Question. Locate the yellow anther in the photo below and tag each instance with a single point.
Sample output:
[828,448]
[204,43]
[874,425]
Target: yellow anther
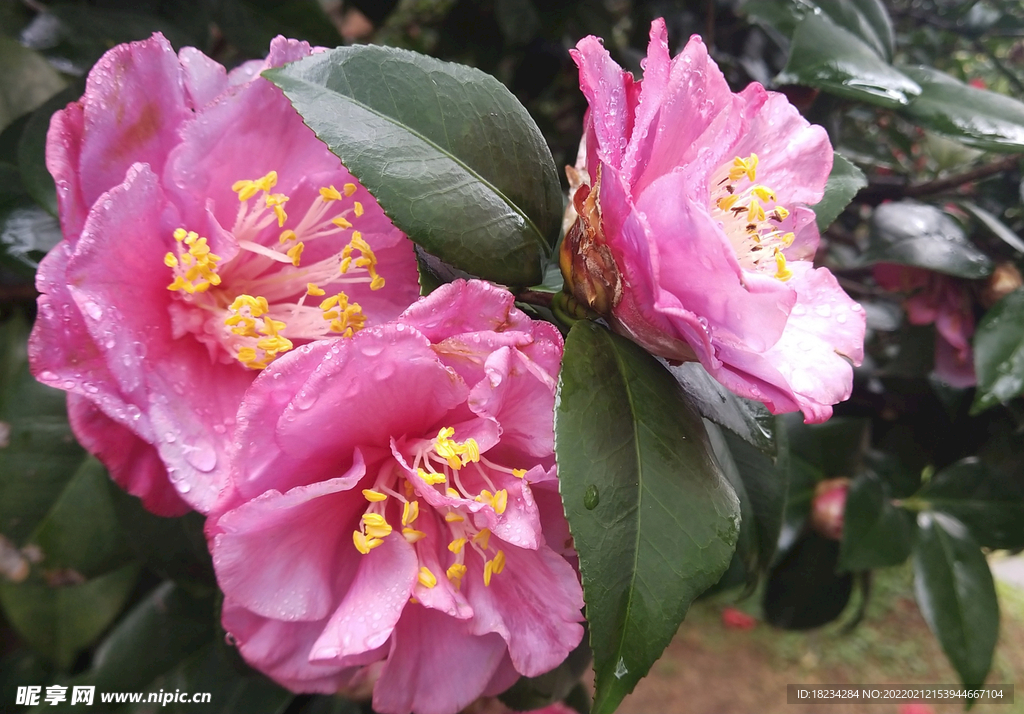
[485,496]
[314,290]
[281,215]
[374,519]
[179,234]
[488,571]
[470,451]
[410,512]
[764,193]
[170,261]
[788,238]
[330,302]
[374,496]
[286,236]
[455,573]
[267,182]
[431,478]
[330,194]
[498,562]
[727,202]
[377,283]
[412,535]
[426,578]
[357,208]
[258,305]
[453,517]
[755,213]
[519,473]
[364,544]
[782,272]
[180,284]
[752,162]
[446,433]
[379,531]
[457,545]
[780,213]
[483,538]
[341,222]
[500,501]
[295,253]
[410,491]
[349,189]
[452,493]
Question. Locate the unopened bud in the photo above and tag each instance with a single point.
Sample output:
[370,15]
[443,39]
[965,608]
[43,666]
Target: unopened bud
[828,507]
[1003,281]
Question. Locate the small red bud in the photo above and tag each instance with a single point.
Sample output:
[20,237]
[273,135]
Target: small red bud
[828,506]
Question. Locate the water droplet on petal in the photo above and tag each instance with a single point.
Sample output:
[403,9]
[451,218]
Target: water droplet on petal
[305,399]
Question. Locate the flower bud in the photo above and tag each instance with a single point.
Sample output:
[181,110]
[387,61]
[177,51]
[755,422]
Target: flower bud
[828,507]
[1003,281]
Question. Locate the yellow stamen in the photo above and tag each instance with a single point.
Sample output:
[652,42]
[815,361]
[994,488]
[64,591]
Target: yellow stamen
[498,562]
[426,578]
[483,538]
[430,478]
[519,473]
[452,493]
[170,261]
[455,573]
[412,535]
[357,207]
[500,501]
[330,194]
[782,272]
[453,517]
[295,253]
[363,544]
[488,570]
[341,222]
[727,202]
[349,189]
[314,290]
[286,236]
[457,545]
[374,496]
[410,512]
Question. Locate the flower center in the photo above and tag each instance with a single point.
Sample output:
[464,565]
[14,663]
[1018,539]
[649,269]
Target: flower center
[751,218]
[253,306]
[441,463]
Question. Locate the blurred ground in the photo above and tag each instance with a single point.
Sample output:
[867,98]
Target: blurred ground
[709,669]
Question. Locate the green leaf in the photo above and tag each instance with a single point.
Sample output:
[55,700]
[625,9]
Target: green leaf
[60,621]
[999,353]
[994,226]
[27,80]
[450,154]
[826,56]
[653,519]
[174,548]
[844,182]
[169,616]
[39,454]
[956,595]
[867,19]
[32,151]
[765,480]
[803,480]
[916,234]
[977,117]
[989,503]
[836,448]
[81,531]
[749,420]
[803,589]
[876,533]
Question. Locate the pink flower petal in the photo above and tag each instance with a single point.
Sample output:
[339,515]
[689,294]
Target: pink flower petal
[436,665]
[375,600]
[607,88]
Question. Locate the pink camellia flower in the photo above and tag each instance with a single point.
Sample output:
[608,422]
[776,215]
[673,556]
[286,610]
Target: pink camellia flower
[828,507]
[206,232]
[694,237]
[944,301]
[396,498]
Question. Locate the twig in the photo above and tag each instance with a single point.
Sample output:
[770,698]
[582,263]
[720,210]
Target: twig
[943,184]
[535,297]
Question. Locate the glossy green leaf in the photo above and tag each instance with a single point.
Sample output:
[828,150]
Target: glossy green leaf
[919,235]
[803,478]
[977,117]
[26,82]
[876,533]
[956,595]
[81,531]
[450,154]
[653,519]
[765,480]
[60,621]
[994,226]
[999,353]
[844,182]
[749,420]
[989,503]
[868,19]
[826,56]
